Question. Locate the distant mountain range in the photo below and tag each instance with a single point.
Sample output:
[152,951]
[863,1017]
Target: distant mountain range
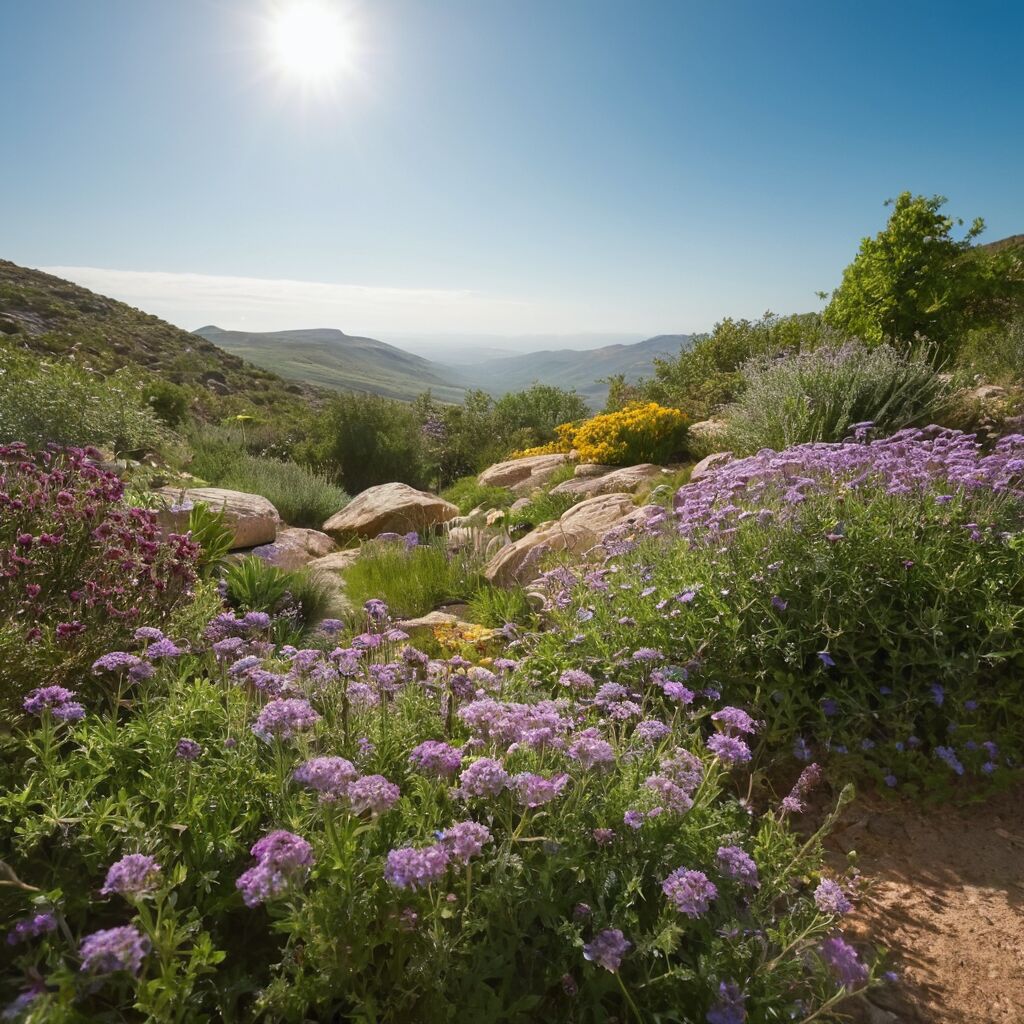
[329,358]
[342,362]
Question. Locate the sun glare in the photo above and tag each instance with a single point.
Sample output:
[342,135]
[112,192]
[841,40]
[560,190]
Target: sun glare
[311,40]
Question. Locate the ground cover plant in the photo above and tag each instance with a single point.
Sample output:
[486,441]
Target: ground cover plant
[867,598]
[404,836]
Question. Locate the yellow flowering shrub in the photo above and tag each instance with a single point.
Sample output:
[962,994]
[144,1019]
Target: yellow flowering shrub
[641,432]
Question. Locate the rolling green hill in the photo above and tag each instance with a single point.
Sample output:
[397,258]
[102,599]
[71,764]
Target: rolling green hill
[342,362]
[50,317]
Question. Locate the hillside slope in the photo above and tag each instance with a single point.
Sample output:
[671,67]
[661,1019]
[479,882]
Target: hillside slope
[573,368]
[49,316]
[342,362]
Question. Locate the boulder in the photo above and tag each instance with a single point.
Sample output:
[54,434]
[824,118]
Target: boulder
[587,470]
[707,435]
[522,475]
[389,508]
[473,538]
[628,479]
[708,465]
[336,561]
[578,530]
[296,547]
[519,504]
[251,518]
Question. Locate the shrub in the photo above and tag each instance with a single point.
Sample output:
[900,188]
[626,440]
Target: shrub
[468,495]
[638,433]
[412,580]
[862,599]
[996,353]
[79,571]
[820,395]
[60,403]
[498,606]
[302,496]
[383,837]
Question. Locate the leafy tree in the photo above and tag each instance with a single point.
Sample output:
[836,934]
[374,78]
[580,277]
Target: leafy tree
[915,281]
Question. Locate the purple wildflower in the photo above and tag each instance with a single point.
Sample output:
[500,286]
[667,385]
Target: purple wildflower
[590,750]
[484,777]
[690,891]
[132,876]
[113,949]
[736,863]
[163,648]
[842,958]
[436,759]
[535,790]
[31,928]
[284,718]
[115,661]
[729,749]
[466,839]
[328,776]
[829,898]
[372,793]
[607,949]
[412,868]
[730,1007]
[948,755]
[576,679]
[733,720]
[187,750]
[283,859]
[56,700]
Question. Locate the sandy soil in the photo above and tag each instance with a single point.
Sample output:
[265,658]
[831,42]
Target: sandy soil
[946,897]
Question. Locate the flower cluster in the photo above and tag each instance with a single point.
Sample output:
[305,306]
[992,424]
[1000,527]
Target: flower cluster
[283,860]
[132,876]
[56,701]
[114,949]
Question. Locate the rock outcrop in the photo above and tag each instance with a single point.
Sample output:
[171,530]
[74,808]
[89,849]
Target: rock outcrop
[389,508]
[523,475]
[295,547]
[709,464]
[628,479]
[578,530]
[252,519]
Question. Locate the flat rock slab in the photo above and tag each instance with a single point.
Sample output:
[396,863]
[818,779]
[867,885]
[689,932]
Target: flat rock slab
[336,561]
[616,481]
[296,547]
[709,465]
[522,475]
[579,530]
[252,519]
[389,508]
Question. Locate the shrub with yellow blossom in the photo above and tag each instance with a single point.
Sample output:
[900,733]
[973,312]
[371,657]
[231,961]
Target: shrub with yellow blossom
[641,432]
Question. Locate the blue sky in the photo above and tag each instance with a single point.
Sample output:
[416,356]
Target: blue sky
[514,167]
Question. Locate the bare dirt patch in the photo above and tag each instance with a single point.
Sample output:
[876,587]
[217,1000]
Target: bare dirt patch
[946,897]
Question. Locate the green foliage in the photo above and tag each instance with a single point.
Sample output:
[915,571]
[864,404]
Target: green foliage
[709,373]
[468,495]
[43,402]
[819,395]
[209,529]
[254,585]
[914,280]
[543,508]
[498,606]
[169,402]
[302,496]
[894,588]
[996,353]
[539,409]
[412,581]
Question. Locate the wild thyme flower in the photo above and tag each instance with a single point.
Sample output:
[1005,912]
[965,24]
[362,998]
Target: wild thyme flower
[436,759]
[283,719]
[328,776]
[484,777]
[590,750]
[283,860]
[737,864]
[734,720]
[948,754]
[132,876]
[187,750]
[690,891]
[829,898]
[729,749]
[31,928]
[536,790]
[730,1007]
[576,679]
[416,868]
[607,949]
[145,634]
[672,795]
[115,661]
[372,793]
[163,648]
[466,840]
[57,700]
[651,731]
[112,950]
[842,958]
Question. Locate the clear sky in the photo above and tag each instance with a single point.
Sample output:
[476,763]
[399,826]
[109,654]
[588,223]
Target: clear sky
[495,166]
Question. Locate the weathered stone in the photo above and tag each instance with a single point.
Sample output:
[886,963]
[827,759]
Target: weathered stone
[296,547]
[628,479]
[578,530]
[521,475]
[251,518]
[587,470]
[496,515]
[389,508]
[336,561]
[707,434]
[709,465]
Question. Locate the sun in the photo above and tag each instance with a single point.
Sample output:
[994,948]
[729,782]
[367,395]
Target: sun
[311,41]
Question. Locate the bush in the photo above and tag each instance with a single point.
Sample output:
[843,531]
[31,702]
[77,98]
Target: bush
[863,600]
[412,580]
[79,571]
[468,495]
[302,496]
[310,859]
[498,606]
[820,395]
[997,353]
[59,403]
[638,433]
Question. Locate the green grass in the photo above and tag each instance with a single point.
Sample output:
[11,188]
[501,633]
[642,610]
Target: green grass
[412,582]
[468,495]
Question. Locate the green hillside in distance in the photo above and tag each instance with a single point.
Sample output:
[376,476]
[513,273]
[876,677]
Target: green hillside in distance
[331,359]
[51,317]
[582,369]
